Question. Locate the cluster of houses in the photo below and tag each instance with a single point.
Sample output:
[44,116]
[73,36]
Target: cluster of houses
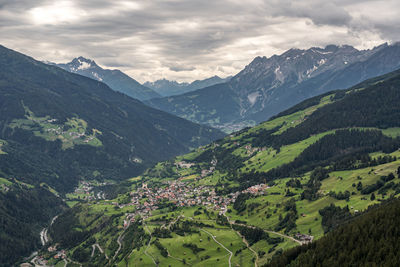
[4,188]
[256,189]
[252,150]
[61,254]
[73,135]
[182,194]
[183,165]
[204,172]
[86,188]
[305,239]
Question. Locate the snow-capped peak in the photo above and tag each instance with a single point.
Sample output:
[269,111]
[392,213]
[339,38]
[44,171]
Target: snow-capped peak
[82,63]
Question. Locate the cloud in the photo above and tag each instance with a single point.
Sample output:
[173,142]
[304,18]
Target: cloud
[188,40]
[177,67]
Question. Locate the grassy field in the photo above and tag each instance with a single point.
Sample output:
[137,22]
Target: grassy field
[265,211]
[269,159]
[392,132]
[290,120]
[2,143]
[72,132]
[5,181]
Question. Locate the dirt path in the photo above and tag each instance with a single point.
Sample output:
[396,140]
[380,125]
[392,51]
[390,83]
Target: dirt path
[216,241]
[169,255]
[248,246]
[44,238]
[66,261]
[270,232]
[285,236]
[148,245]
[244,241]
[120,238]
[99,248]
[93,249]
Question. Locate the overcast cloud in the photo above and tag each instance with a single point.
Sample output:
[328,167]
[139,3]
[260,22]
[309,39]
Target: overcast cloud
[186,40]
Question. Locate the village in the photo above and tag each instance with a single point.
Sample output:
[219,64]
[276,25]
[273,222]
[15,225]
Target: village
[85,191]
[72,135]
[182,194]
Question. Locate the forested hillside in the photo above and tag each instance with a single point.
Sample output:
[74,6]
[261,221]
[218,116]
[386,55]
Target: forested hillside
[59,128]
[252,195]
[371,239]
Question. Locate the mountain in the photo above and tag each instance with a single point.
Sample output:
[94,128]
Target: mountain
[246,198]
[115,79]
[268,86]
[168,88]
[59,128]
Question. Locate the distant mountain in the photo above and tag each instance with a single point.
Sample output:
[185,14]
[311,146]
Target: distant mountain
[267,86]
[168,88]
[59,128]
[115,79]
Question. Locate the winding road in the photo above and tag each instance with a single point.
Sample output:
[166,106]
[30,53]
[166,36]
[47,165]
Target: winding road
[43,234]
[99,248]
[285,236]
[148,245]
[216,241]
[120,238]
[250,248]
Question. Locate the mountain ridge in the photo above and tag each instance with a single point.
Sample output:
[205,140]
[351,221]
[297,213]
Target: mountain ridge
[168,88]
[267,86]
[114,78]
[58,129]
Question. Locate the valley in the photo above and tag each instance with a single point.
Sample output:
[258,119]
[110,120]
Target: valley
[247,198]
[199,133]
[59,129]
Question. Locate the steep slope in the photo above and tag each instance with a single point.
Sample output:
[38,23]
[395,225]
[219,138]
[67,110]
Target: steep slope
[197,106]
[370,239]
[246,198]
[169,88]
[268,86]
[115,79]
[66,116]
[58,128]
[24,210]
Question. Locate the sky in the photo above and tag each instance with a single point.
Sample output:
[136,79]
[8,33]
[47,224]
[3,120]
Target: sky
[186,40]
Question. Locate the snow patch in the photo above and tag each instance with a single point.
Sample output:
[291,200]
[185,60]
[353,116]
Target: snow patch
[311,70]
[97,76]
[315,67]
[278,74]
[253,97]
[83,65]
[321,52]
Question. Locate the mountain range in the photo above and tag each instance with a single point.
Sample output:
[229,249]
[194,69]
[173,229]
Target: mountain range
[104,179]
[168,88]
[268,86]
[58,128]
[115,79]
